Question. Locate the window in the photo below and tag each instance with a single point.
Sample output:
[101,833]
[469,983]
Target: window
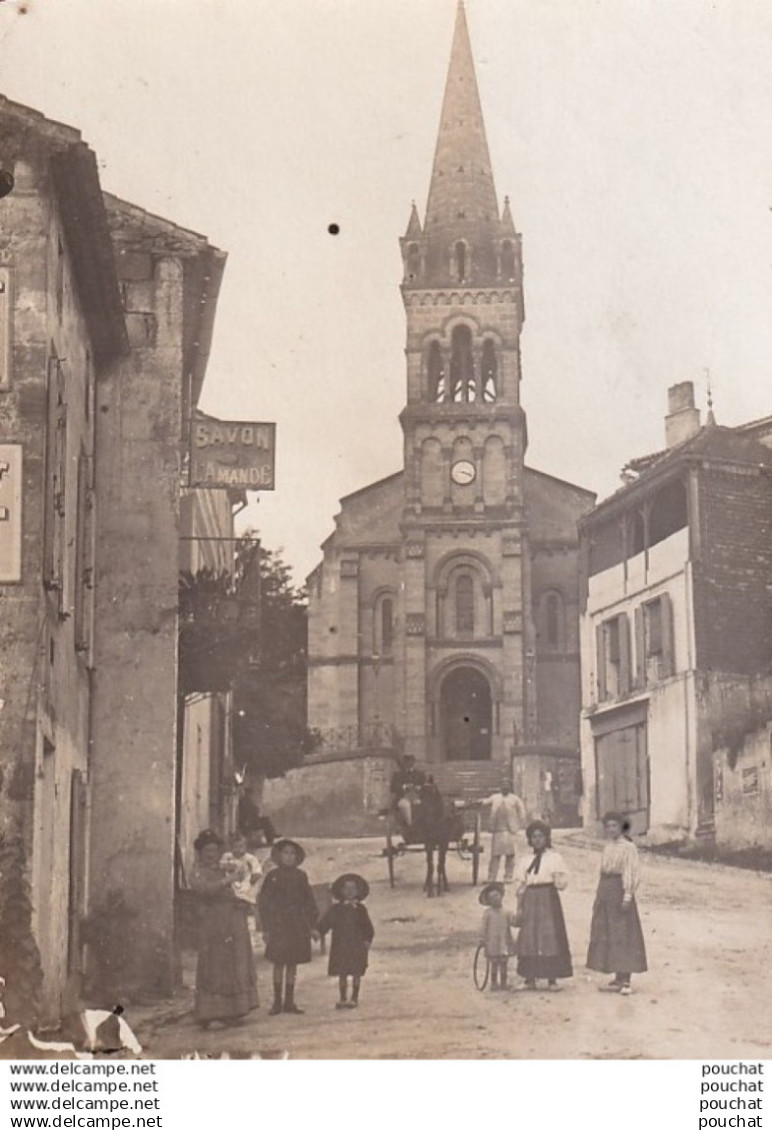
[652,619]
[383,625]
[654,641]
[508,260]
[465,605]
[613,658]
[387,625]
[461,264]
[549,616]
[462,375]
[413,261]
[551,622]
[438,389]
[489,371]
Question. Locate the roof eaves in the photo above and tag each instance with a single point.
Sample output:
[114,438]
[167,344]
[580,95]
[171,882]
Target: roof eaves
[75,179]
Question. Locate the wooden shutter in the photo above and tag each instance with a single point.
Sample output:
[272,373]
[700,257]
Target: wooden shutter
[625,679]
[668,648]
[640,648]
[600,660]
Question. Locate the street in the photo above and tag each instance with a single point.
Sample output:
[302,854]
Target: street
[707,994]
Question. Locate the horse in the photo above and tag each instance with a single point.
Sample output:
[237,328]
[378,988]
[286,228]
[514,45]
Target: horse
[435,826]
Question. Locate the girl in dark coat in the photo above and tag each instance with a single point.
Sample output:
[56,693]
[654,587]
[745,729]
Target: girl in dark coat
[352,935]
[288,917]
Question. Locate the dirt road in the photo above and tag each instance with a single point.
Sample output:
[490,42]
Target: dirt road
[708,994]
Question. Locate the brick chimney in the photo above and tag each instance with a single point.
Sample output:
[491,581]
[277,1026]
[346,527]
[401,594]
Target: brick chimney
[683,419]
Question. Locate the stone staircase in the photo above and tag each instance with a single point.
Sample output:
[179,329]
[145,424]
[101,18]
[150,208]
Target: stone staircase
[468,781]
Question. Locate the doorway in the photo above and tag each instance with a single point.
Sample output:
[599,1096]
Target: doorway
[466,715]
[622,766]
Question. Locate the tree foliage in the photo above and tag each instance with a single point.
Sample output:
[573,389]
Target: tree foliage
[270,733]
[246,631]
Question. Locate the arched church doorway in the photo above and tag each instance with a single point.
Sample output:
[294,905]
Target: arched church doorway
[466,715]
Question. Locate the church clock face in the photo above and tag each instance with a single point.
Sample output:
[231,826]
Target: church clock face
[463,472]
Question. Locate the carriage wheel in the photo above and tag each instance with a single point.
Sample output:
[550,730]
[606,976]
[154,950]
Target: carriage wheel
[476,849]
[481,967]
[391,851]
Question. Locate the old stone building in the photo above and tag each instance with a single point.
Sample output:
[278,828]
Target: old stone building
[444,615]
[106,315]
[677,630]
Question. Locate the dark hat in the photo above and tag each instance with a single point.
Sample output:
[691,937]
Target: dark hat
[539,826]
[205,838]
[276,848]
[363,887]
[486,891]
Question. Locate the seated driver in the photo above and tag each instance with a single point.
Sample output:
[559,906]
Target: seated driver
[404,781]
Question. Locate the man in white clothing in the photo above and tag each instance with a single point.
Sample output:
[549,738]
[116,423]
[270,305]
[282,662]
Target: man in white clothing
[507,817]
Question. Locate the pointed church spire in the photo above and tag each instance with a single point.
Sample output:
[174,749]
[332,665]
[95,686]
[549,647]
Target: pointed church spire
[507,223]
[462,181]
[463,238]
[414,224]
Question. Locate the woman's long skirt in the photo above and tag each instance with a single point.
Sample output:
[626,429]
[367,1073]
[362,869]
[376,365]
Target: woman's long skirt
[616,938]
[542,945]
[226,984]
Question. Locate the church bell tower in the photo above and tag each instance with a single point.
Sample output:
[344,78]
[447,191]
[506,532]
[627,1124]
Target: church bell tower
[463,526]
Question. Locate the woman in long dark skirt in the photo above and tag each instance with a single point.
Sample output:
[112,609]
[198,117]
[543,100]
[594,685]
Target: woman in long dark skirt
[226,984]
[288,916]
[616,938]
[542,944]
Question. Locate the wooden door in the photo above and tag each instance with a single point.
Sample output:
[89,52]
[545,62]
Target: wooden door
[622,766]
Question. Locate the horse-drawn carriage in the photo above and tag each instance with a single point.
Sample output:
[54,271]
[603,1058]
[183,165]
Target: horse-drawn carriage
[430,822]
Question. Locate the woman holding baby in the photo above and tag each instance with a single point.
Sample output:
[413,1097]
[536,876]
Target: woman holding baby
[226,985]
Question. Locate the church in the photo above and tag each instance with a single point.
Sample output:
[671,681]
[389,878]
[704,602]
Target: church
[444,616]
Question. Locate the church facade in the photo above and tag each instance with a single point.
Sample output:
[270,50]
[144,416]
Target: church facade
[444,617]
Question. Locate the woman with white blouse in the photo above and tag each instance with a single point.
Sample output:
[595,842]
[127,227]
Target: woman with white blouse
[542,945]
[616,938]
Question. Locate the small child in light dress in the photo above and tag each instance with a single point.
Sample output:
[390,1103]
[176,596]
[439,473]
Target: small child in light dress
[496,933]
[245,873]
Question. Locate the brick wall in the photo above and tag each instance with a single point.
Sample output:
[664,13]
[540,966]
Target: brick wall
[733,575]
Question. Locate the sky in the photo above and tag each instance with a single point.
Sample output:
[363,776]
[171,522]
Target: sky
[632,137]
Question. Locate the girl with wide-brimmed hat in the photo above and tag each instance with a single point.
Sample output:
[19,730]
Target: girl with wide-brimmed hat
[616,938]
[352,935]
[226,985]
[542,945]
[288,916]
[496,934]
